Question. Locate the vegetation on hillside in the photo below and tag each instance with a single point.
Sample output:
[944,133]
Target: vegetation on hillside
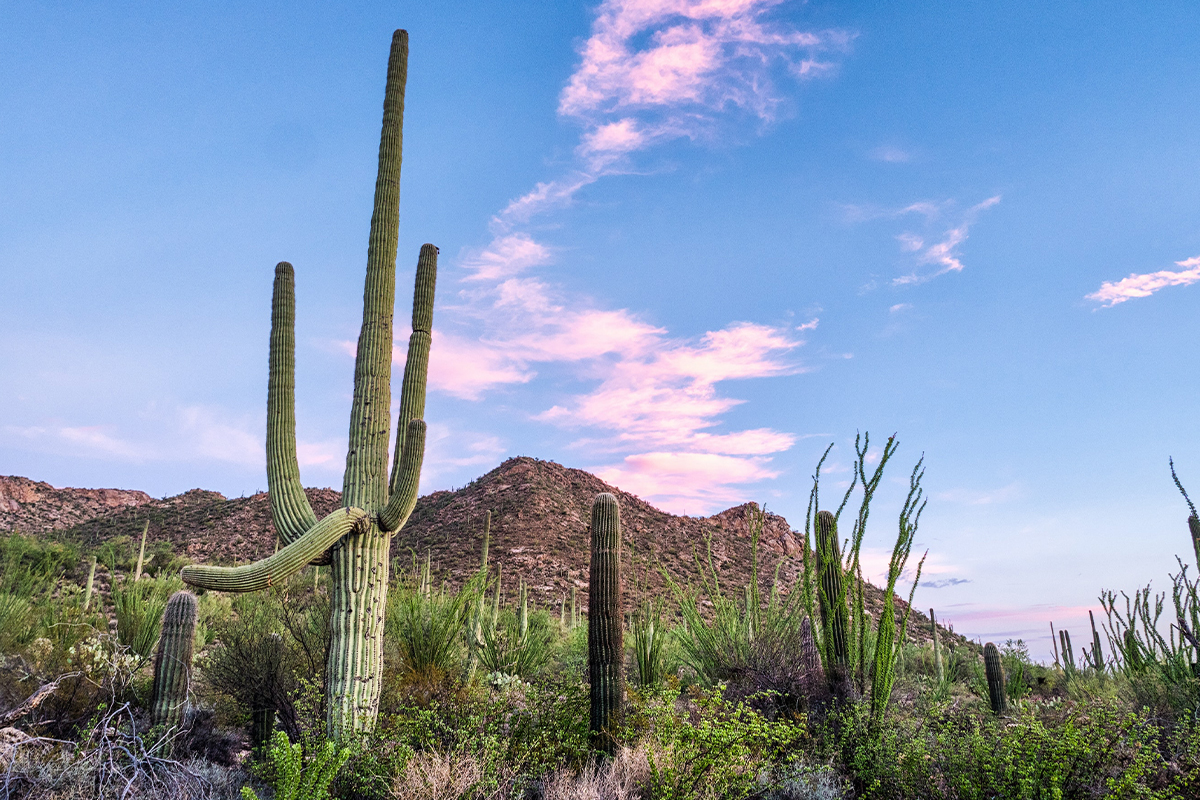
[731,689]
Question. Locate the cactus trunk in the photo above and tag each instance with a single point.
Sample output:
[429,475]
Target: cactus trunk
[995,679]
[937,650]
[1097,653]
[1064,637]
[355,540]
[173,661]
[835,621]
[606,648]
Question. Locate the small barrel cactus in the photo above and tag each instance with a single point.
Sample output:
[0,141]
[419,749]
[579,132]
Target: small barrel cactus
[606,648]
[173,661]
[995,679]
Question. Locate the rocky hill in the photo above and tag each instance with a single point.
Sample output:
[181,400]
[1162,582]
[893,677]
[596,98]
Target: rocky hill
[539,531]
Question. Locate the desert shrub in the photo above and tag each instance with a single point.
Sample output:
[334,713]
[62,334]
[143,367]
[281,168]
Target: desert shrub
[270,654]
[509,737]
[517,644]
[707,746]
[1053,750]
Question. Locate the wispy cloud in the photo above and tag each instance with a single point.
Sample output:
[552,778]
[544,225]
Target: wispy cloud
[189,433]
[890,155]
[1112,293]
[941,256]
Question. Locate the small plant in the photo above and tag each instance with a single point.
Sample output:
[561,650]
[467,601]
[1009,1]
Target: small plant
[139,608]
[292,776]
[649,644]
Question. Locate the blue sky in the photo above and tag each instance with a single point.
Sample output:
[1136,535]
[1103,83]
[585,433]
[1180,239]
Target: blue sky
[685,245]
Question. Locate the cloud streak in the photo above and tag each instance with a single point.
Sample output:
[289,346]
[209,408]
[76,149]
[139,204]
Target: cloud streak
[942,256]
[1112,293]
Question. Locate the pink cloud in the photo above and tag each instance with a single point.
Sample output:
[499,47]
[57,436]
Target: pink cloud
[506,255]
[1110,294]
[698,55]
[686,483]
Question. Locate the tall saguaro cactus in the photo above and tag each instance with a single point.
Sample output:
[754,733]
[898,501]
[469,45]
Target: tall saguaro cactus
[173,661]
[606,647]
[356,539]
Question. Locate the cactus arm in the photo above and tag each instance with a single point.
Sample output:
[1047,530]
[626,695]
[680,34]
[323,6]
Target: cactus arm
[290,509]
[365,482]
[404,496]
[279,567]
[416,366]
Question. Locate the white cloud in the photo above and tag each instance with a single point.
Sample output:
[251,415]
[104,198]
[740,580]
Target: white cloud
[1110,293]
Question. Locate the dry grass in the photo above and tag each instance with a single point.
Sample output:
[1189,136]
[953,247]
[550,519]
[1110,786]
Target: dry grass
[623,778]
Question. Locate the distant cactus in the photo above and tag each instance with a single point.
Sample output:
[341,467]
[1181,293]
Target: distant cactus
[137,573]
[91,582]
[835,615]
[1097,653]
[606,649]
[173,661]
[1064,637]
[937,650]
[995,679]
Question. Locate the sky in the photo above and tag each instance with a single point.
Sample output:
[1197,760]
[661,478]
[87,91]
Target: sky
[685,245]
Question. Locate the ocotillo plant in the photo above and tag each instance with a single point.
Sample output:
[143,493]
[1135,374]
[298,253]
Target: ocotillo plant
[995,679]
[355,539]
[606,648]
[889,641]
[1097,653]
[1193,518]
[173,661]
[937,650]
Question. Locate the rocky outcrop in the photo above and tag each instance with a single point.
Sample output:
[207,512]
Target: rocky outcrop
[36,507]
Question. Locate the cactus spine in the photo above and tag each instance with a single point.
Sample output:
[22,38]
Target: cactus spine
[91,582]
[937,650]
[173,661]
[1097,653]
[606,648]
[995,679]
[835,615]
[356,539]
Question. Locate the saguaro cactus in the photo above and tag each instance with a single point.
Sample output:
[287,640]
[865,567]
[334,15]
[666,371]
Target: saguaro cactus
[1097,653]
[1064,637]
[356,539]
[937,649]
[606,647]
[995,679]
[173,661]
[835,616]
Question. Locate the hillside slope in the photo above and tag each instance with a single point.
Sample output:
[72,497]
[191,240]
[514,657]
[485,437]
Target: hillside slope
[539,535]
